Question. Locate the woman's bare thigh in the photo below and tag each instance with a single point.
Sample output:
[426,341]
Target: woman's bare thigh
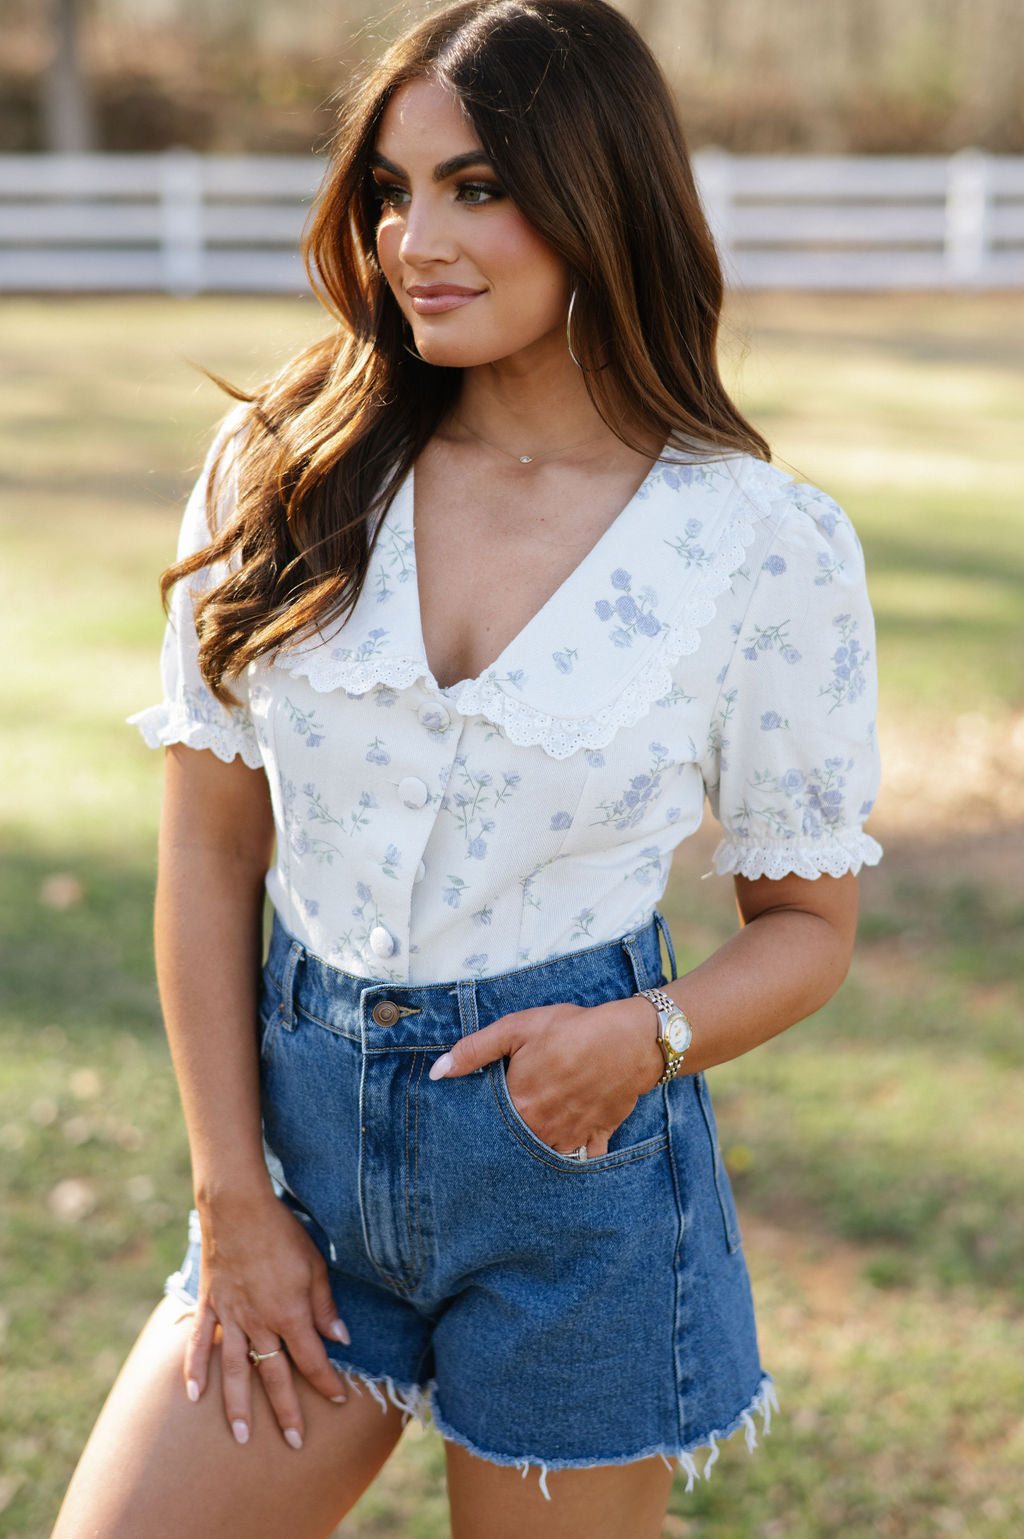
[490,1501]
[160,1466]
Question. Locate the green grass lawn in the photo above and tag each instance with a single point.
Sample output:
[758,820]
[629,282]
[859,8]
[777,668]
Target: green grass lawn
[875,1150]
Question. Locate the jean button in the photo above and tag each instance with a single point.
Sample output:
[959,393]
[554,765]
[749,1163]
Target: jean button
[384,1013]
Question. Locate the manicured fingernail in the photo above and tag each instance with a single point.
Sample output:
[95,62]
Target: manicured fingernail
[339,1330]
[241,1431]
[292,1438]
[338,1399]
[192,1390]
[440,1068]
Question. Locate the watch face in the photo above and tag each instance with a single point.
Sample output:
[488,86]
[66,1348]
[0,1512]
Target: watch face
[677,1034]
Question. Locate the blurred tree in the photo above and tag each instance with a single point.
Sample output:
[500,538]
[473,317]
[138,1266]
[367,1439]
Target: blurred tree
[68,122]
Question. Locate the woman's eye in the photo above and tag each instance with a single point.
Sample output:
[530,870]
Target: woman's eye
[479,192]
[389,194]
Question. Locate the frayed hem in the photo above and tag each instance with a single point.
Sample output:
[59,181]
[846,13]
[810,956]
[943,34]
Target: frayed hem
[412,1400]
[762,1403]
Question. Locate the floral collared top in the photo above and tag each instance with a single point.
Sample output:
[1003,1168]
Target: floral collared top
[716,642]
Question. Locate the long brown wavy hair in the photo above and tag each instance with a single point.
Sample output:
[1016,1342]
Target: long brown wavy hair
[579,124]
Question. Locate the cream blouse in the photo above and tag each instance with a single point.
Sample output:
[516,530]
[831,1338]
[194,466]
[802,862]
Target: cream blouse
[716,641]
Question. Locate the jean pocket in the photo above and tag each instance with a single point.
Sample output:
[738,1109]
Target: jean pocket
[643,1133]
[733,1238]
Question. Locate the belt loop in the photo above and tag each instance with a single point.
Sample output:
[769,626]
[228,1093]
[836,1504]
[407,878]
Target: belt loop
[662,924]
[295,955]
[636,961]
[469,1021]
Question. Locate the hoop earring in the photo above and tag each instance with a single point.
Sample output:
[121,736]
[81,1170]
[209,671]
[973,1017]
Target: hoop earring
[568,331]
[407,331]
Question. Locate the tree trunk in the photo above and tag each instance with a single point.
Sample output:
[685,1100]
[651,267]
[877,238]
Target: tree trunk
[67,111]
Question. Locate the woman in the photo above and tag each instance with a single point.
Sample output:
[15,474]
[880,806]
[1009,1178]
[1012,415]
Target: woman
[475,602]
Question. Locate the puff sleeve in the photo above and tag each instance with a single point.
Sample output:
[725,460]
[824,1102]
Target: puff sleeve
[792,767]
[189,713]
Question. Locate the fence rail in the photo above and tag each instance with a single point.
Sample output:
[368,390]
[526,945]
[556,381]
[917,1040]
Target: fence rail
[185,223]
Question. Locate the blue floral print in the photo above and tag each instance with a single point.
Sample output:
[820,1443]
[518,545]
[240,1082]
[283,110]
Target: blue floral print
[771,638]
[643,790]
[372,646]
[583,924]
[849,660]
[350,823]
[829,568]
[305,723]
[472,799]
[634,612]
[818,798]
[453,890]
[391,862]
[716,639]
[686,545]
[398,561]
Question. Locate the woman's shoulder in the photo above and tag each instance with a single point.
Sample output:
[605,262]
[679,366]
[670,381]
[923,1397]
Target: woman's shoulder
[784,504]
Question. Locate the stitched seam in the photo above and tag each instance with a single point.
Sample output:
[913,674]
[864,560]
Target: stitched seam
[416,1268]
[603,1162]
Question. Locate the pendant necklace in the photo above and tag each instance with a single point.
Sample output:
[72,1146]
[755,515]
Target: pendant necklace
[523,459]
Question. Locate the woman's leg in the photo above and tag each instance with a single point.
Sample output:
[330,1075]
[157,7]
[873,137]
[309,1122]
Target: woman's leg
[159,1466]
[621,1501]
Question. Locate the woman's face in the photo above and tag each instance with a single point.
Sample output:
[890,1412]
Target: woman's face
[473,278]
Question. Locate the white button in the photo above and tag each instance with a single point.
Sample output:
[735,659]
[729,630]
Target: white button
[435,717]
[413,792]
[421,872]
[382,944]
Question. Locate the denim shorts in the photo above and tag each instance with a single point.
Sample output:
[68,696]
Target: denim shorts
[541,1311]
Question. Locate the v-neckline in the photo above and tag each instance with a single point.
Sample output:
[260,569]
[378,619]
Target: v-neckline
[408,494]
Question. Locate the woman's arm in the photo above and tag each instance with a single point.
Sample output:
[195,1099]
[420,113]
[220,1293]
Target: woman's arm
[263,1280]
[575,1073]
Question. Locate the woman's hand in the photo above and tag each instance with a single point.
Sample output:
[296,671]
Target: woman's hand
[575,1073]
[264,1284]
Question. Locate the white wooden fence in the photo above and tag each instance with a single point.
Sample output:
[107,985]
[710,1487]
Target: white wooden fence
[185,223]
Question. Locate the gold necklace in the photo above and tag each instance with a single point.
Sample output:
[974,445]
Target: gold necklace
[523,459]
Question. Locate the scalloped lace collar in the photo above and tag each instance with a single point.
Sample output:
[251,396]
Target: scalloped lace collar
[599,653]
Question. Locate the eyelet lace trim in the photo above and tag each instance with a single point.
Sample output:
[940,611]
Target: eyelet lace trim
[560,736]
[527,726]
[328,668]
[168,723]
[846,851]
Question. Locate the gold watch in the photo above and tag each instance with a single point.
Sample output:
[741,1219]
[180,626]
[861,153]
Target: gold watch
[674,1031]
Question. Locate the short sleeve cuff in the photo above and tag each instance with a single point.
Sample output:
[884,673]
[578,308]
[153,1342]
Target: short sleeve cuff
[844,851]
[173,722]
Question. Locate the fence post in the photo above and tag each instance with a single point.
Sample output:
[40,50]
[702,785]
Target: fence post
[968,200]
[714,172]
[181,222]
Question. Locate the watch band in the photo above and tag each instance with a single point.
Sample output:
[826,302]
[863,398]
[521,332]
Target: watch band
[668,1013]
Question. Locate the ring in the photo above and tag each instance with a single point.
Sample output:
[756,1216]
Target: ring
[579,1154]
[260,1357]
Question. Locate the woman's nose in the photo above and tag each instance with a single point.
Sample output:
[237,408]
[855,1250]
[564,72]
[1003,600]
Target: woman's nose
[426,236]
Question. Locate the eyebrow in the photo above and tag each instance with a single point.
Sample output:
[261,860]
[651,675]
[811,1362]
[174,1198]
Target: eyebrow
[441,172]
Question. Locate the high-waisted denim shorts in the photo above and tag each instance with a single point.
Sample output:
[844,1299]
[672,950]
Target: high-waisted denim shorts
[541,1310]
